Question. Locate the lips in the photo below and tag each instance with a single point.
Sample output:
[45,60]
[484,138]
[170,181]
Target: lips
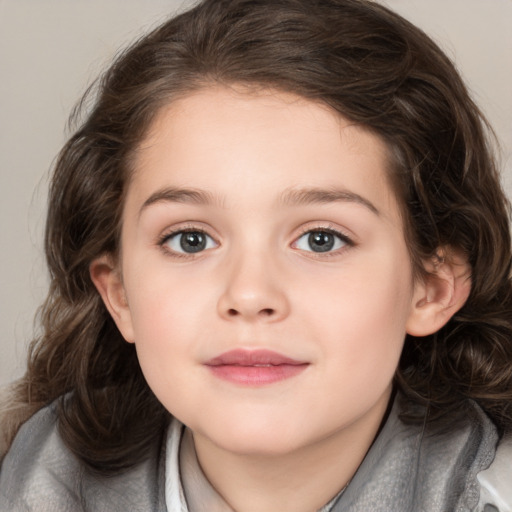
[254,367]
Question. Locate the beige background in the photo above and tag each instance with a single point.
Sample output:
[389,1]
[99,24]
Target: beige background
[51,49]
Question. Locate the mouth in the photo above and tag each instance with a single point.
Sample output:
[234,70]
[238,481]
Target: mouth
[254,367]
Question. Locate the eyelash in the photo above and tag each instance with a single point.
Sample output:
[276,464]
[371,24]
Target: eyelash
[164,239]
[326,229]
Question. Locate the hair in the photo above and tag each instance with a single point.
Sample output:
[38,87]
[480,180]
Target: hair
[366,63]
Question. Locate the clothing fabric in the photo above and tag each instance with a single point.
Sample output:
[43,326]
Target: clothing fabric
[409,468]
[199,493]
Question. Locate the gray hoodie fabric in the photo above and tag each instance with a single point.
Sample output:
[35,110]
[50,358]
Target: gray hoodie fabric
[409,468]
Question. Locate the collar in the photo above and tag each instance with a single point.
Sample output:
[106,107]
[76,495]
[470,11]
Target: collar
[186,487]
[432,466]
[409,467]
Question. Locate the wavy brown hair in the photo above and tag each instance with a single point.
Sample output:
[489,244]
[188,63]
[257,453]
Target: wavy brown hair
[372,67]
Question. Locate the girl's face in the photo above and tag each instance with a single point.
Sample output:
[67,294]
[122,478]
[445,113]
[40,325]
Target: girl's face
[265,279]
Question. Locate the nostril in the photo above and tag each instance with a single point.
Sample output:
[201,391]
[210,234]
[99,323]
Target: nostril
[264,312]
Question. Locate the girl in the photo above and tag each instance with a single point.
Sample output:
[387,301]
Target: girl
[280,260]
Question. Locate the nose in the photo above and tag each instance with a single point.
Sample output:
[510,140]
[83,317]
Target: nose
[254,291]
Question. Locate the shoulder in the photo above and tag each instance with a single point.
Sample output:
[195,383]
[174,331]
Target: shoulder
[40,473]
[39,465]
[482,457]
[481,464]
[496,481]
[414,466]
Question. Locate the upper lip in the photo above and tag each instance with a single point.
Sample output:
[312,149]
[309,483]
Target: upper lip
[243,357]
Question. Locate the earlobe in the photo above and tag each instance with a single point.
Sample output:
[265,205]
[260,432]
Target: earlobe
[107,279]
[440,294]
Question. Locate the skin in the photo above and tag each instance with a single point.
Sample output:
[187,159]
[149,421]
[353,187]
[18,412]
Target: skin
[259,284]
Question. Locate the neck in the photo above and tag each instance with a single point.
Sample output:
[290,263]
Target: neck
[304,479]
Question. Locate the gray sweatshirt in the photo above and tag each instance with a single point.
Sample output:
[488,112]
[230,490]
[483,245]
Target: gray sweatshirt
[409,468]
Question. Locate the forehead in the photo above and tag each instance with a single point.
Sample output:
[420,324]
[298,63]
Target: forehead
[240,142]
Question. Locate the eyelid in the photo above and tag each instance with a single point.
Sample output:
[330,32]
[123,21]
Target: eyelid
[329,228]
[186,228]
[305,229]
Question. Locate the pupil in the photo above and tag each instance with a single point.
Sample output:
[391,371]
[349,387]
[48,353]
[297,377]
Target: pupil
[321,241]
[193,242]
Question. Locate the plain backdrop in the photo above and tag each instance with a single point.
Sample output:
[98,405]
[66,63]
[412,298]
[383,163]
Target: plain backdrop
[50,50]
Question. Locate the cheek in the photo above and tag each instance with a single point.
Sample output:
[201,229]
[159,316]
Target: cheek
[162,298]
[364,291]
[360,313]
[165,341]
[169,311]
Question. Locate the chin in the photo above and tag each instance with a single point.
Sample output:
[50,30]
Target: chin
[268,446]
[257,438]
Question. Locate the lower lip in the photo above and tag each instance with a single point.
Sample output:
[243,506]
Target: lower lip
[256,375]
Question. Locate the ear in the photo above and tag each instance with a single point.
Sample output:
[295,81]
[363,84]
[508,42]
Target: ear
[440,294]
[106,277]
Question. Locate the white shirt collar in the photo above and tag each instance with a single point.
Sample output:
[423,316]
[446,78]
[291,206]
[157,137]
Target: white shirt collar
[174,494]
[186,487]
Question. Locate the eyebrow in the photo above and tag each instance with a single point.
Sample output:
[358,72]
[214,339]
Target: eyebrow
[304,196]
[180,195]
[291,197]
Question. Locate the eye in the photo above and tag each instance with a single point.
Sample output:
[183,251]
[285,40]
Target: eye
[189,242]
[321,240]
